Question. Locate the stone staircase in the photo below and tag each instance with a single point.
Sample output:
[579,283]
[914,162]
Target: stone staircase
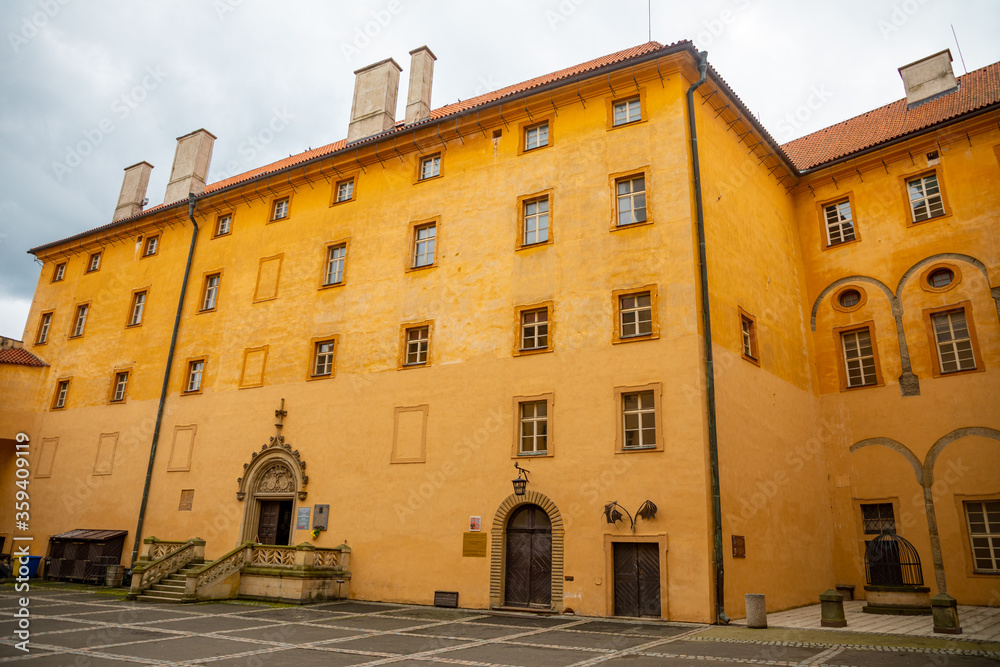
[170,589]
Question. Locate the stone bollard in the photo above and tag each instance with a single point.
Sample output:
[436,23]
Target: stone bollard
[832,609]
[756,610]
[945,610]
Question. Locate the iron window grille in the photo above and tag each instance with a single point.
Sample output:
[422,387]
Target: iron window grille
[878,518]
[859,358]
[954,343]
[839,223]
[639,420]
[925,198]
[534,427]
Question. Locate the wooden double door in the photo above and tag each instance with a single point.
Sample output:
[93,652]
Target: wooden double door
[637,579]
[275,524]
[528,573]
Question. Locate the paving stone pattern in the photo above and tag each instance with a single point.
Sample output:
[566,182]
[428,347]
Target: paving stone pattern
[79,629]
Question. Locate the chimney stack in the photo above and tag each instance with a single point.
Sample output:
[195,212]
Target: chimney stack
[928,78]
[191,161]
[374,108]
[418,95]
[133,191]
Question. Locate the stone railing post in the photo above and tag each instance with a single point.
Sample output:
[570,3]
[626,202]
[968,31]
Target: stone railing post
[345,558]
[147,547]
[305,555]
[199,549]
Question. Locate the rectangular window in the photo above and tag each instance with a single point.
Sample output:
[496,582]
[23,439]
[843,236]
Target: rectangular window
[748,335]
[345,190]
[211,291]
[138,306]
[59,273]
[535,329]
[80,321]
[43,329]
[627,111]
[223,225]
[859,358]
[424,238]
[537,136]
[120,388]
[954,343]
[638,420]
[430,167]
[631,194]
[280,209]
[152,245]
[878,518]
[94,263]
[925,197]
[536,221]
[984,532]
[635,314]
[323,358]
[534,420]
[417,345]
[195,370]
[839,223]
[62,390]
[336,258]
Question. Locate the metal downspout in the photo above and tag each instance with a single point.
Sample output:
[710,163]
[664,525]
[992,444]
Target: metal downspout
[166,382]
[713,436]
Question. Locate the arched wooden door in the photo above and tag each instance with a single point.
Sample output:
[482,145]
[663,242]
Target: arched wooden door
[528,574]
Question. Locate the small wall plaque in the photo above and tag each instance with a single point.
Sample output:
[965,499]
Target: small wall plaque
[739,546]
[187,500]
[321,516]
[302,521]
[475,523]
[474,545]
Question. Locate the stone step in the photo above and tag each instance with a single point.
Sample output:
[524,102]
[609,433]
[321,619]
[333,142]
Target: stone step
[168,587]
[147,597]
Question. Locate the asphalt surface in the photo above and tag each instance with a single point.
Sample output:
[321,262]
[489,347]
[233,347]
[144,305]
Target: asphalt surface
[78,627]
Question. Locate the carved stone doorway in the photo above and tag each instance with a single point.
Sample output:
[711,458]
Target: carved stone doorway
[275,523]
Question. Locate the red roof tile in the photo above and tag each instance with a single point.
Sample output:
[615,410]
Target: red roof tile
[18,356]
[976,90]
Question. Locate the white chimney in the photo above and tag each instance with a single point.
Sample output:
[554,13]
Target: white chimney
[133,192]
[928,78]
[191,162]
[418,95]
[375,90]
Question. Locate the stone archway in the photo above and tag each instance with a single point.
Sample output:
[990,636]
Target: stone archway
[498,545]
[273,481]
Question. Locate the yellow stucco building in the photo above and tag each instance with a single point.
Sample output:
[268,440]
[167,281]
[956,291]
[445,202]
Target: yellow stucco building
[388,324]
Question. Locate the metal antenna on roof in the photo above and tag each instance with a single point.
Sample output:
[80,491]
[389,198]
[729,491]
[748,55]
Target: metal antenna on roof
[960,56]
[649,21]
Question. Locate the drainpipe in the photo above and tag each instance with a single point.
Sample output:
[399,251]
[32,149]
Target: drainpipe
[166,382]
[706,317]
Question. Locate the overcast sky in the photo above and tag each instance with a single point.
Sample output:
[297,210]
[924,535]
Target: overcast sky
[89,87]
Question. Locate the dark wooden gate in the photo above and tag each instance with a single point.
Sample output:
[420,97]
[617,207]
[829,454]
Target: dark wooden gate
[637,579]
[275,522]
[528,579]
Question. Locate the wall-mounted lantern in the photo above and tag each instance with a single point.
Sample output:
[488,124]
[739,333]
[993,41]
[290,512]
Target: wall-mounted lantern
[521,483]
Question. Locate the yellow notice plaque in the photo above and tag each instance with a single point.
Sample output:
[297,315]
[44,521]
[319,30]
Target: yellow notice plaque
[474,545]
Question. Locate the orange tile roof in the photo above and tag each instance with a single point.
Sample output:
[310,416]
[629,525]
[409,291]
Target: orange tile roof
[18,356]
[977,90]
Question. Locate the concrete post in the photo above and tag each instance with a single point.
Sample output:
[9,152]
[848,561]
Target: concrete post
[756,610]
[832,609]
[945,610]
[345,558]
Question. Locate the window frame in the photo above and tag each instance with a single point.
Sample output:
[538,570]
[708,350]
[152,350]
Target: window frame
[273,210]
[821,207]
[76,318]
[905,181]
[90,262]
[404,330]
[218,221]
[204,291]
[613,100]
[415,228]
[613,181]
[617,295]
[519,312]
[57,275]
[660,434]
[533,124]
[835,299]
[842,362]
[747,319]
[314,344]
[335,193]
[44,326]
[961,501]
[423,159]
[189,369]
[150,246]
[130,316]
[327,249]
[928,315]
[925,276]
[522,204]
[517,401]
[55,405]
[115,381]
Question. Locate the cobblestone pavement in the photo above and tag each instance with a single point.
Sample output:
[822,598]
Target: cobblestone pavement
[77,627]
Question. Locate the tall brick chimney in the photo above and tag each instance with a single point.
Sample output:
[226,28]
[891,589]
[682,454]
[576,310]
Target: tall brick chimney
[418,95]
[133,191]
[191,162]
[374,108]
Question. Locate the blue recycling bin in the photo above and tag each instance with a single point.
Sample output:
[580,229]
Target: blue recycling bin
[33,562]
